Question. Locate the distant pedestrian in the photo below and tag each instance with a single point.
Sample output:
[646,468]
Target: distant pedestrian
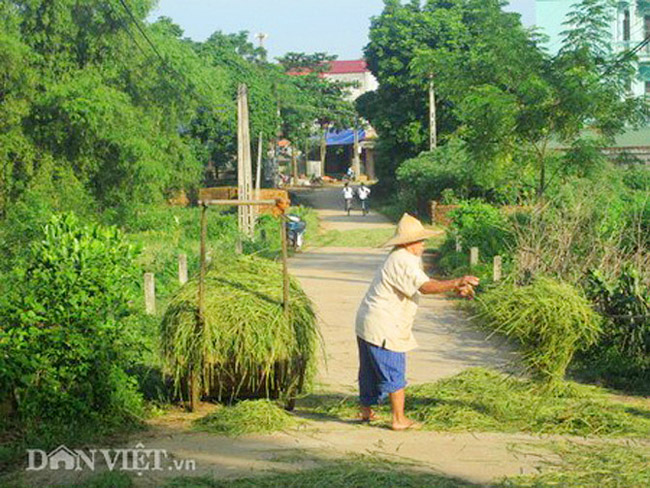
[385,319]
[350,174]
[363,192]
[348,195]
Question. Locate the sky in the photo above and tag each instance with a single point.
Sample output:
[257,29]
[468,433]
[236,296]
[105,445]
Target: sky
[337,26]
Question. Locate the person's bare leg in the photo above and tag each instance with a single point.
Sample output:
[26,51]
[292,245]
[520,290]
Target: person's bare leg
[367,413]
[400,422]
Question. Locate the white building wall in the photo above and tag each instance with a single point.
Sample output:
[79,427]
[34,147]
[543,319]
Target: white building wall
[365,82]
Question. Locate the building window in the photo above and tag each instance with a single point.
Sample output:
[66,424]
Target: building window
[626,25]
[646,24]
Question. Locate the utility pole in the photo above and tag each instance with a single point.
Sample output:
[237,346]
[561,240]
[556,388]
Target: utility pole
[433,139]
[258,180]
[246,214]
[356,163]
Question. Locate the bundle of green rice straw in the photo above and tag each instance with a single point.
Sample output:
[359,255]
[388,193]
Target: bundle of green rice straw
[248,347]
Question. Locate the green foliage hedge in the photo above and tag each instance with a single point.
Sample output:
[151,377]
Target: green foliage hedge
[64,338]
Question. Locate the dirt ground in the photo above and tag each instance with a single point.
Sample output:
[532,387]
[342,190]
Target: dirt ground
[336,279]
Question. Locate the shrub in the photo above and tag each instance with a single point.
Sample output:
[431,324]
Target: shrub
[63,337]
[550,319]
[481,225]
[622,355]
[432,175]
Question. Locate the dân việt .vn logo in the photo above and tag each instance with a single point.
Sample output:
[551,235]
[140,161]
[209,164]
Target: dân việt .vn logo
[137,460]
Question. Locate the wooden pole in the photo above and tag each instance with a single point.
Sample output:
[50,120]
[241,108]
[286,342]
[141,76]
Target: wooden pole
[497,268]
[323,151]
[285,267]
[294,164]
[182,268]
[473,256]
[149,294]
[244,172]
[258,181]
[194,379]
[433,137]
[356,162]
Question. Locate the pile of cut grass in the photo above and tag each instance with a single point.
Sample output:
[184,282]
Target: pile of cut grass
[591,466]
[550,319]
[361,472]
[481,400]
[247,417]
[248,347]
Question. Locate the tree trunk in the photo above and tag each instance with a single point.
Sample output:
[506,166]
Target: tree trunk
[323,152]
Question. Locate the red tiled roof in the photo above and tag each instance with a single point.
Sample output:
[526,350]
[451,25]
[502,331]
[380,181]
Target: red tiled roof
[342,67]
[337,68]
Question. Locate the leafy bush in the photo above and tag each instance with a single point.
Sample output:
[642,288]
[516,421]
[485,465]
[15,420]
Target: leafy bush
[625,303]
[622,355]
[550,319]
[432,175]
[481,225]
[63,338]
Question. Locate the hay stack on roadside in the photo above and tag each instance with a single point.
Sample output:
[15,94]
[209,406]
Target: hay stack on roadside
[248,347]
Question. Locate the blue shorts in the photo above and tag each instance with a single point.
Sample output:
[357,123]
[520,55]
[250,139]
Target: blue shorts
[380,372]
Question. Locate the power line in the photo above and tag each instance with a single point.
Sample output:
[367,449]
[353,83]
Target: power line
[182,79]
[142,31]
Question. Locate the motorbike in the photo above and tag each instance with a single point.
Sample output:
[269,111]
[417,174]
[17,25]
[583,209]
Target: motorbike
[295,231]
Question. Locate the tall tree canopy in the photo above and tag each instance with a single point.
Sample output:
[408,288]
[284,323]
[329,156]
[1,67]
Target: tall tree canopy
[92,96]
[498,91]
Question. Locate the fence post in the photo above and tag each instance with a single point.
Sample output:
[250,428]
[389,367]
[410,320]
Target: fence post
[239,247]
[149,293]
[182,268]
[432,208]
[496,269]
[459,245]
[473,256]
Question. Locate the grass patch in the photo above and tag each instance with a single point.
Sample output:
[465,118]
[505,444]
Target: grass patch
[483,400]
[352,238]
[591,466]
[363,472]
[247,417]
[361,238]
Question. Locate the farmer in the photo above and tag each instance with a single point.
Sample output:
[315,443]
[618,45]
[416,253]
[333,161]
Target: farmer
[385,319]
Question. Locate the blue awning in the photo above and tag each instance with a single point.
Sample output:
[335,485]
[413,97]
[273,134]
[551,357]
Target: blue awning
[343,137]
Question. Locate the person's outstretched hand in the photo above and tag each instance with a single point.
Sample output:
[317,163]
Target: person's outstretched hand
[466,286]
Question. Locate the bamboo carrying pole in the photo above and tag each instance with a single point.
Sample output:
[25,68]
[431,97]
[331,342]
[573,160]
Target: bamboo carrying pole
[193,381]
[285,267]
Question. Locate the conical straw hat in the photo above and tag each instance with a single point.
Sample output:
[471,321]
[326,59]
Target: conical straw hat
[409,229]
